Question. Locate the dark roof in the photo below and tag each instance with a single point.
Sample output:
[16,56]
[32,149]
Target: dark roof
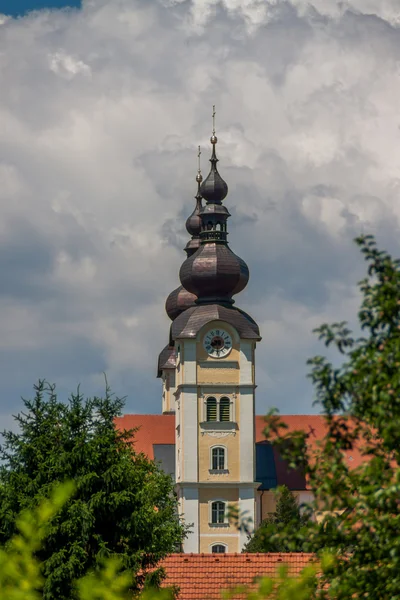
[214,273]
[178,301]
[189,323]
[166,359]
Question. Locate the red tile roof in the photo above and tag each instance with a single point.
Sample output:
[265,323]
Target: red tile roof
[160,429]
[153,429]
[315,427]
[203,576]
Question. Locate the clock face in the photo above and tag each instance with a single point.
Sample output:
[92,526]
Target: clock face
[218,343]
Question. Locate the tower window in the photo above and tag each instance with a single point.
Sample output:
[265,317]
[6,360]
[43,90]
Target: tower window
[218,549]
[219,409]
[224,412]
[211,409]
[218,512]
[218,459]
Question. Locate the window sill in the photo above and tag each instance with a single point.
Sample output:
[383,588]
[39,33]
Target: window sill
[219,425]
[218,471]
[216,525]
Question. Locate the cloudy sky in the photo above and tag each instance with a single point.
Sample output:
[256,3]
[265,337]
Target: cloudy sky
[101,111]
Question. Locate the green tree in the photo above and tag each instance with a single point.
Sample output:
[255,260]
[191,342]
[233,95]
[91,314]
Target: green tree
[360,401]
[123,505]
[21,572]
[287,514]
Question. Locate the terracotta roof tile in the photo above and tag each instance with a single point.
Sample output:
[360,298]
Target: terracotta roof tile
[203,576]
[152,429]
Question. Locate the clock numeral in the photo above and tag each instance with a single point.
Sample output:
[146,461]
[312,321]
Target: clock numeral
[217,331]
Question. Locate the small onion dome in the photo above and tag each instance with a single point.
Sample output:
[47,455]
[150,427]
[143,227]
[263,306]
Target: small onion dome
[193,223]
[213,189]
[214,273]
[192,246]
[178,301]
[166,359]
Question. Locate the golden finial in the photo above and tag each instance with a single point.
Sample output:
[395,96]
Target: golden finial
[213,138]
[199,177]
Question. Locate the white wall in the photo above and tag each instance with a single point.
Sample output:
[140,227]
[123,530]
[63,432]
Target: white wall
[190,506]
[189,361]
[247,510]
[247,448]
[246,362]
[189,432]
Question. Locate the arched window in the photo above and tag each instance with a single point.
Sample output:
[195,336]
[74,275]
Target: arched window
[218,512]
[218,548]
[211,409]
[224,409]
[218,459]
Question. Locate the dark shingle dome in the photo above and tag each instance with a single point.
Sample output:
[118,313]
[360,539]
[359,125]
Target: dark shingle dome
[214,273]
[189,323]
[178,301]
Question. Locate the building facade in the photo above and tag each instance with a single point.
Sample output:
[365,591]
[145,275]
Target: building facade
[208,437]
[208,374]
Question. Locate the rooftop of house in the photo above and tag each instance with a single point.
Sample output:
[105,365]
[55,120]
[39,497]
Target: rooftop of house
[155,437]
[204,576]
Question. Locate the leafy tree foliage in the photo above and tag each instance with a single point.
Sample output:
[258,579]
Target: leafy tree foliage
[123,505]
[21,572]
[360,400]
[287,514]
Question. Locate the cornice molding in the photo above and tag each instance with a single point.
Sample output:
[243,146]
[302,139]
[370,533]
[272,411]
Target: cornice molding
[218,484]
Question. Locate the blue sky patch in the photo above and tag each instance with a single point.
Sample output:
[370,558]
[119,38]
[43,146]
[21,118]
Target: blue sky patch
[17,8]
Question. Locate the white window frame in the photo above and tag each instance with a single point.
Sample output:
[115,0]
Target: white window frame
[218,544]
[225,449]
[225,522]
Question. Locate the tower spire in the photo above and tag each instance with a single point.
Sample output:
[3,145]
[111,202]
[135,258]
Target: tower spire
[213,189]
[214,273]
[180,299]
[193,223]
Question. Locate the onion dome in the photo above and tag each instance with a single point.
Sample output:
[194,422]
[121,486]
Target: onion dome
[214,273]
[214,189]
[193,223]
[178,301]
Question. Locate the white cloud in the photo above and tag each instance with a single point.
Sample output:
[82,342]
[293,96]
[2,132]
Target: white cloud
[101,112]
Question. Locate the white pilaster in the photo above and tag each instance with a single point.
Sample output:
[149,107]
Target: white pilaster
[189,362]
[190,506]
[247,512]
[247,449]
[189,432]
[246,362]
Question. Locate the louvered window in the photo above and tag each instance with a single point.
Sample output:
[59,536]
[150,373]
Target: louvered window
[218,512]
[218,549]
[224,412]
[211,409]
[218,459]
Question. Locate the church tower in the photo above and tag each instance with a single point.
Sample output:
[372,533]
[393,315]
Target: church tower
[208,373]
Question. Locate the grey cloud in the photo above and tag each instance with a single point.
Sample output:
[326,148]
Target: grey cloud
[101,113]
